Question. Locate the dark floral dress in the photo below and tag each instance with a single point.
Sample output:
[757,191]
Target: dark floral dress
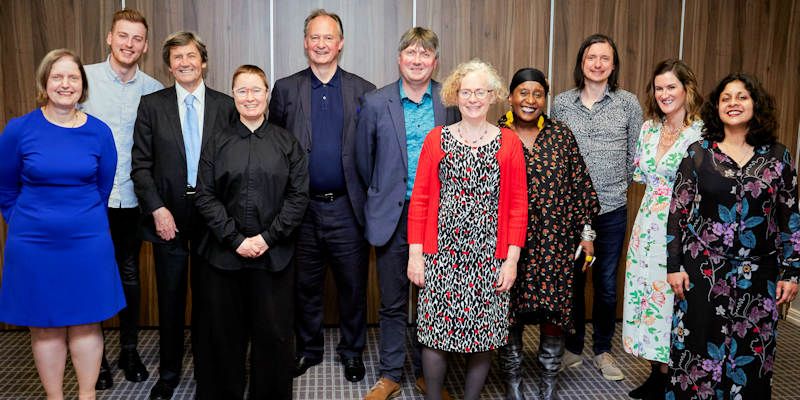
[459,309]
[735,232]
[561,199]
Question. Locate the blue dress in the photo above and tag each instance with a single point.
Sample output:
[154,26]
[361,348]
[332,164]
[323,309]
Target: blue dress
[59,267]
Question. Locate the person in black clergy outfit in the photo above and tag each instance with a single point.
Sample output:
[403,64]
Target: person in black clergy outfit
[253,192]
[319,105]
[171,127]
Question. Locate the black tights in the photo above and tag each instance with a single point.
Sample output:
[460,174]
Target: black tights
[434,367]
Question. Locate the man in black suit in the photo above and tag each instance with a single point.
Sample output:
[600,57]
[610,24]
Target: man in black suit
[171,127]
[319,105]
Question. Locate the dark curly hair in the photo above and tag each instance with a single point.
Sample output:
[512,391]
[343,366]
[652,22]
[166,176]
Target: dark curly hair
[761,128]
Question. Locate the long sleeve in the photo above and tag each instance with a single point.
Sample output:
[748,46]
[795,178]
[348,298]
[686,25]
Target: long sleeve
[788,221]
[142,163]
[680,209]
[10,168]
[518,196]
[422,195]
[638,173]
[107,164]
[207,201]
[277,109]
[296,197]
[583,197]
[634,128]
[365,144]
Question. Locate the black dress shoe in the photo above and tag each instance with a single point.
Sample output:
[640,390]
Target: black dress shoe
[130,362]
[353,368]
[303,363]
[161,391]
[104,380]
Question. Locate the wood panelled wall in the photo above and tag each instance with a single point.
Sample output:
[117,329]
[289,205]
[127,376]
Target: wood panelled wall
[720,36]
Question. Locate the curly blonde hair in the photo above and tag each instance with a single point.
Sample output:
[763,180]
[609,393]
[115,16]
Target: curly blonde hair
[452,84]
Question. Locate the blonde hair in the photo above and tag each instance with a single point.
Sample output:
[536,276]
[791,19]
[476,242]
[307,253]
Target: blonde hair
[452,84]
[250,69]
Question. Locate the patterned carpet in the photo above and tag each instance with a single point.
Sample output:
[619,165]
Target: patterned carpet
[18,379]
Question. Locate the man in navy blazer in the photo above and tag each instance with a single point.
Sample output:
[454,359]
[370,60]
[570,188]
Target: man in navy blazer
[392,125]
[319,105]
[172,126]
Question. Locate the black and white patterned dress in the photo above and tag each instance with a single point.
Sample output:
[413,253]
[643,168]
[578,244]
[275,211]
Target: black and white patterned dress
[459,309]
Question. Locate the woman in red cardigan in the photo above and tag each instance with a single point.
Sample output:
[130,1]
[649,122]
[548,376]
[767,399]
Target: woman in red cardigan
[466,224]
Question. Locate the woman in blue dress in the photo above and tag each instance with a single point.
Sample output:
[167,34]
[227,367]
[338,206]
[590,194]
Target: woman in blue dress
[60,279]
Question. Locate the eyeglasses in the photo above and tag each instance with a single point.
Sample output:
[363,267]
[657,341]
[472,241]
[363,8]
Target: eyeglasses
[480,94]
[255,91]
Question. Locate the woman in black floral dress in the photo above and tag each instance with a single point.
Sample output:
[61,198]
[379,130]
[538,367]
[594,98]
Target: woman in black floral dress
[733,251]
[561,200]
[466,225]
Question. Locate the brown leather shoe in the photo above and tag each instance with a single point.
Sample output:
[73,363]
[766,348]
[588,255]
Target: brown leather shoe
[383,389]
[421,388]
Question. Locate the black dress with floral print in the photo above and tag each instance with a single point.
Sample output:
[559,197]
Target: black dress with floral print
[735,232]
[561,199]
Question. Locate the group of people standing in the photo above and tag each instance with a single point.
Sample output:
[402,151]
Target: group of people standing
[496,223]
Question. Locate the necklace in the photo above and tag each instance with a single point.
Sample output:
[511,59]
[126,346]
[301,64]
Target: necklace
[669,131]
[70,123]
[471,143]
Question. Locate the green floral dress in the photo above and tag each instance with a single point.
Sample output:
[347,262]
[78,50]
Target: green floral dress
[647,315]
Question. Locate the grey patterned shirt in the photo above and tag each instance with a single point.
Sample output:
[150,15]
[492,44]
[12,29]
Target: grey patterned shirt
[606,137]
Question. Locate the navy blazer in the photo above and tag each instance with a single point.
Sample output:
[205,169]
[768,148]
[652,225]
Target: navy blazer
[290,108]
[382,156]
[158,156]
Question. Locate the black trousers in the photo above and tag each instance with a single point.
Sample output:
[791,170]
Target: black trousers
[242,306]
[124,224]
[331,235]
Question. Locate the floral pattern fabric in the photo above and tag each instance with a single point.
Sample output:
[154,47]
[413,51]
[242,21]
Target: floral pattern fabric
[647,309]
[561,199]
[735,232]
[458,308]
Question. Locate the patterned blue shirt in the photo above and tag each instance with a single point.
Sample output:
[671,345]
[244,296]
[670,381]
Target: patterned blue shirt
[116,103]
[419,121]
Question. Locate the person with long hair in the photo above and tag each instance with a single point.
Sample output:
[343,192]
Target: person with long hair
[561,201]
[733,247]
[673,112]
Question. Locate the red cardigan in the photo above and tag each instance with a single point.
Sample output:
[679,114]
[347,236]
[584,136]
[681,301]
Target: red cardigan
[512,215]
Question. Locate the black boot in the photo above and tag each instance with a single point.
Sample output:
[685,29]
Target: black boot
[510,360]
[658,388]
[642,391]
[551,350]
[104,380]
[131,363]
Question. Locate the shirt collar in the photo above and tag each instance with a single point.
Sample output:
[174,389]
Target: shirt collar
[403,92]
[243,131]
[111,74]
[334,82]
[576,95]
[199,93]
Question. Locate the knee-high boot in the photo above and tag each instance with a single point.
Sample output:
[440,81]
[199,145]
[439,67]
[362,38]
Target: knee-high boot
[510,360]
[551,350]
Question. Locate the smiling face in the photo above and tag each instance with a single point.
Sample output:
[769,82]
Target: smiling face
[186,65]
[735,105]
[64,84]
[670,94]
[251,96]
[416,64]
[323,41]
[128,42]
[472,107]
[598,62]
[528,101]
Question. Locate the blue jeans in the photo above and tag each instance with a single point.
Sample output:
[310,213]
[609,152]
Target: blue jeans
[610,229]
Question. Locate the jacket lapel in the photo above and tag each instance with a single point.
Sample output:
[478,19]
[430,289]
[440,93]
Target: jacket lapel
[304,87]
[209,119]
[349,113]
[439,110]
[395,105]
[174,119]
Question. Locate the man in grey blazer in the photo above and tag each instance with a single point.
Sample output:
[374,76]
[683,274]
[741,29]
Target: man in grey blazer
[392,125]
[319,105]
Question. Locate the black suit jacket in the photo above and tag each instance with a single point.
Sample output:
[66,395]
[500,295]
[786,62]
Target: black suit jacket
[158,156]
[290,108]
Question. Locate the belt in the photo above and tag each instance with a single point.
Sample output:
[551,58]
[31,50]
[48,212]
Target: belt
[328,197]
[190,190]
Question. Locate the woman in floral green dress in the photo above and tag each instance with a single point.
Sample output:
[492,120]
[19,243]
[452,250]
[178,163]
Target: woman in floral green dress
[673,107]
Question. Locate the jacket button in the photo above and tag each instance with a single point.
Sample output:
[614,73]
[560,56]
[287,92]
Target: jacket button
[308,150]
[400,203]
[405,180]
